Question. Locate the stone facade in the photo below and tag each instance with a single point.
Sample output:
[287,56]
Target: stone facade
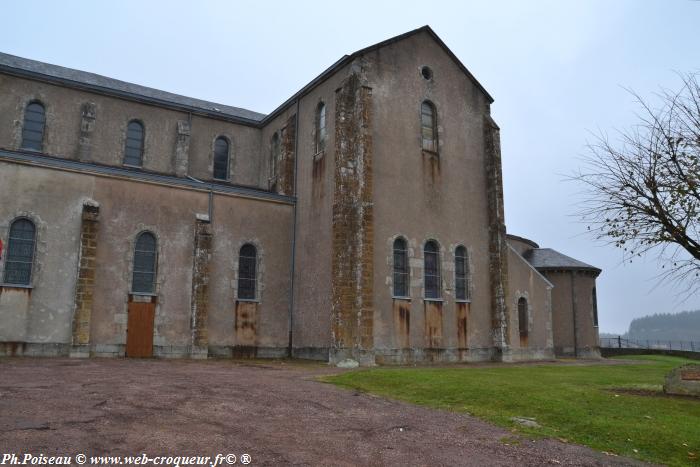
[291,253]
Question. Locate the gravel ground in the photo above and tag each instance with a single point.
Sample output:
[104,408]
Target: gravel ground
[274,411]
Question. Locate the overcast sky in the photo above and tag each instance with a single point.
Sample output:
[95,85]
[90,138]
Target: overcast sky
[556,70]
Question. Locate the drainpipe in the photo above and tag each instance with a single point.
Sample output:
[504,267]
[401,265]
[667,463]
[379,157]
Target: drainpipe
[573,311]
[290,348]
[210,211]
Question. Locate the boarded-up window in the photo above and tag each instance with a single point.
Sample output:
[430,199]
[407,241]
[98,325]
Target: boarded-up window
[247,266]
[428,119]
[133,148]
[144,276]
[401,271]
[33,128]
[320,127]
[522,316]
[431,271]
[20,253]
[461,274]
[221,158]
[594,303]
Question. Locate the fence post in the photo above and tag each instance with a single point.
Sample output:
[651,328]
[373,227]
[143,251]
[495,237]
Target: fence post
[619,342]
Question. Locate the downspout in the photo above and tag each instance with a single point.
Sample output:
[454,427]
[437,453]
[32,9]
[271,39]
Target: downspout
[290,345]
[573,311]
[210,210]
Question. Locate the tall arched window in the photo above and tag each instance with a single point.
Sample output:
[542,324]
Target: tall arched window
[144,277]
[522,319]
[221,158]
[133,148]
[33,128]
[401,271]
[320,127]
[461,274]
[275,152]
[20,253]
[247,266]
[594,304]
[431,270]
[428,120]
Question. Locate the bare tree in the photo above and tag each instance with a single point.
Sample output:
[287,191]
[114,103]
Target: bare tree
[642,193]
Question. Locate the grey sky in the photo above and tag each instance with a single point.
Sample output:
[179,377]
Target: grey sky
[555,68]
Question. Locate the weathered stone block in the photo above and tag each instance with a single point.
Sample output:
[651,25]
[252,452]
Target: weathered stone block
[684,380]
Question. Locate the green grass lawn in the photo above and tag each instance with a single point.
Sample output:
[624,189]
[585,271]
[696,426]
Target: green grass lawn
[585,404]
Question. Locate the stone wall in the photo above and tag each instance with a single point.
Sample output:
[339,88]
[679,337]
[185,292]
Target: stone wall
[352,256]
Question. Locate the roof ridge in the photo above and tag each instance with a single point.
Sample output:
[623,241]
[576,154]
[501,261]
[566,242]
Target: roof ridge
[96,81]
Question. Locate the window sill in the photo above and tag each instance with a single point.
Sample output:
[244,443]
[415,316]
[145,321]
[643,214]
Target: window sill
[15,286]
[429,153]
[130,166]
[248,300]
[319,155]
[463,300]
[395,297]
[433,299]
[143,294]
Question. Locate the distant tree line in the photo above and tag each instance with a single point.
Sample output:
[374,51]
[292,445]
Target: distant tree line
[684,326]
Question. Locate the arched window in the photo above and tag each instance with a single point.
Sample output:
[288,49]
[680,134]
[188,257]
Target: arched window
[428,120]
[522,318]
[144,277]
[320,127]
[431,270]
[401,271]
[20,253]
[594,303]
[461,274]
[33,128]
[275,152]
[221,156]
[133,148]
[247,266]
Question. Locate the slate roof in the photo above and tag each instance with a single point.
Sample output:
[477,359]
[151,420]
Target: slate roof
[546,258]
[25,67]
[94,82]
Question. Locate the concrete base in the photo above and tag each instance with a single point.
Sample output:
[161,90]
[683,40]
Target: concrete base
[199,353]
[34,349]
[311,353]
[412,356]
[80,351]
[581,352]
[527,355]
[363,357]
[239,351]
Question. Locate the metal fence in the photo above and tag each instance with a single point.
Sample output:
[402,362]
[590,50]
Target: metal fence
[620,342]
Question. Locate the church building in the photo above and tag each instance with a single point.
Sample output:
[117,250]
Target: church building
[361,220]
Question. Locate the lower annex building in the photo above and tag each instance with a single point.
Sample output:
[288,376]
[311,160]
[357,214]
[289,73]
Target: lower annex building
[362,219]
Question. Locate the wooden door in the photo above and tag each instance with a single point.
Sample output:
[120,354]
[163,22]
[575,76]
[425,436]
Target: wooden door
[139,329]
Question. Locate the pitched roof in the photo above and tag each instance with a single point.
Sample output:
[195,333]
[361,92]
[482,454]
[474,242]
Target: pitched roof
[12,64]
[546,258]
[25,67]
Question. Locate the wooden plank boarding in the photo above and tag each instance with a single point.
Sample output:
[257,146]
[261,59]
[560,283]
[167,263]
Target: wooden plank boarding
[139,331]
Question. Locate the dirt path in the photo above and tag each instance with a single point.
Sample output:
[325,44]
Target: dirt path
[278,413]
